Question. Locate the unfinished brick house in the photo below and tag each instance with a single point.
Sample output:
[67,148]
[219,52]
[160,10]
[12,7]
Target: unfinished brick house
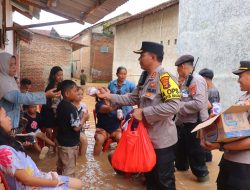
[42,53]
[11,35]
[97,58]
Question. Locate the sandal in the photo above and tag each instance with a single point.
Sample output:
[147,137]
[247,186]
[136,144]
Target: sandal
[43,152]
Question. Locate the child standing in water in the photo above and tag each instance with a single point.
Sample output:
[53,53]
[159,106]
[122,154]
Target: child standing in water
[68,130]
[84,117]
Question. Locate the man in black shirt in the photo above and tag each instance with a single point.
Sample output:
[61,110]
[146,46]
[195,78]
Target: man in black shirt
[213,93]
[68,131]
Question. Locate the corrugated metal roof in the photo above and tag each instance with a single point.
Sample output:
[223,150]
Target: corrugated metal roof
[26,10]
[75,46]
[79,11]
[147,12]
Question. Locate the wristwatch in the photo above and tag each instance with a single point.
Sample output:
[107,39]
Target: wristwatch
[221,148]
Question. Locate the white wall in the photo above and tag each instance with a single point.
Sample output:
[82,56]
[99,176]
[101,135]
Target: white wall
[84,54]
[98,29]
[161,26]
[218,32]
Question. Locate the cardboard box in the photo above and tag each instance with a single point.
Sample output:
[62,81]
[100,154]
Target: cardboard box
[232,124]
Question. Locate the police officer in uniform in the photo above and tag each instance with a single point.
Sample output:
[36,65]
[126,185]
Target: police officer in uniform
[235,163]
[157,96]
[213,98]
[193,110]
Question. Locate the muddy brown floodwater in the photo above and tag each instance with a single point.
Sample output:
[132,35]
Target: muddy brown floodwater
[97,174]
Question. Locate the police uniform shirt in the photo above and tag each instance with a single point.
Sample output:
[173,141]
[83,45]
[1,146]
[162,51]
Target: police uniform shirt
[159,99]
[194,101]
[242,156]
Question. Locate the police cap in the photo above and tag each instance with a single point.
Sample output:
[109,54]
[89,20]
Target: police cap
[207,73]
[151,47]
[244,66]
[184,59]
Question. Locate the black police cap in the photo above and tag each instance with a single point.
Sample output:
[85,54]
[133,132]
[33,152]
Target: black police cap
[207,73]
[184,59]
[244,66]
[151,47]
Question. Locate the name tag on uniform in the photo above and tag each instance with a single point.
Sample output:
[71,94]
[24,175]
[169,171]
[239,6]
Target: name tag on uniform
[152,90]
[184,93]
[140,87]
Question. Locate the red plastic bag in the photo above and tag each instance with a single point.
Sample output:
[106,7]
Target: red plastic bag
[135,152]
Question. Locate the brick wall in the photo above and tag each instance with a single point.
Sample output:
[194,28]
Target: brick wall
[40,55]
[101,63]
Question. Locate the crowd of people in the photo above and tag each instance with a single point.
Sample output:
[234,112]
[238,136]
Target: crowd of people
[170,109]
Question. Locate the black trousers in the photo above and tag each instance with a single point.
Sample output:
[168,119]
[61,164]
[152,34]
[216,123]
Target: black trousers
[162,176]
[189,152]
[209,156]
[233,176]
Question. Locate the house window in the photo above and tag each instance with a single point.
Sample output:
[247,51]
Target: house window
[175,41]
[104,49]
[168,42]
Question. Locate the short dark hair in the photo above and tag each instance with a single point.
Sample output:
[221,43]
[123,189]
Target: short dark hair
[82,70]
[207,73]
[25,81]
[27,106]
[80,88]
[66,85]
[120,68]
[159,58]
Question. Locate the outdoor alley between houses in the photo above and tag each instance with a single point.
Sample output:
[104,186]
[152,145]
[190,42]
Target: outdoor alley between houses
[97,174]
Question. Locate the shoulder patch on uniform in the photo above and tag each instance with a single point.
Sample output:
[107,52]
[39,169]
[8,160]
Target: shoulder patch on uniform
[169,88]
[192,89]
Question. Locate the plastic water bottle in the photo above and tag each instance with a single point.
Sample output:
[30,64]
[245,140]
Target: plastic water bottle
[87,125]
[92,91]
[216,109]
[119,114]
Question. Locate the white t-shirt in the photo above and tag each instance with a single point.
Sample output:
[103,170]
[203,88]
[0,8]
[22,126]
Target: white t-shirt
[82,109]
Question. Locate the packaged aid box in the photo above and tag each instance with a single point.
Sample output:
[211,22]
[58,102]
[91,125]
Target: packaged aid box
[230,125]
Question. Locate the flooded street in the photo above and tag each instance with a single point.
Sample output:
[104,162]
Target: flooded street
[97,174]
